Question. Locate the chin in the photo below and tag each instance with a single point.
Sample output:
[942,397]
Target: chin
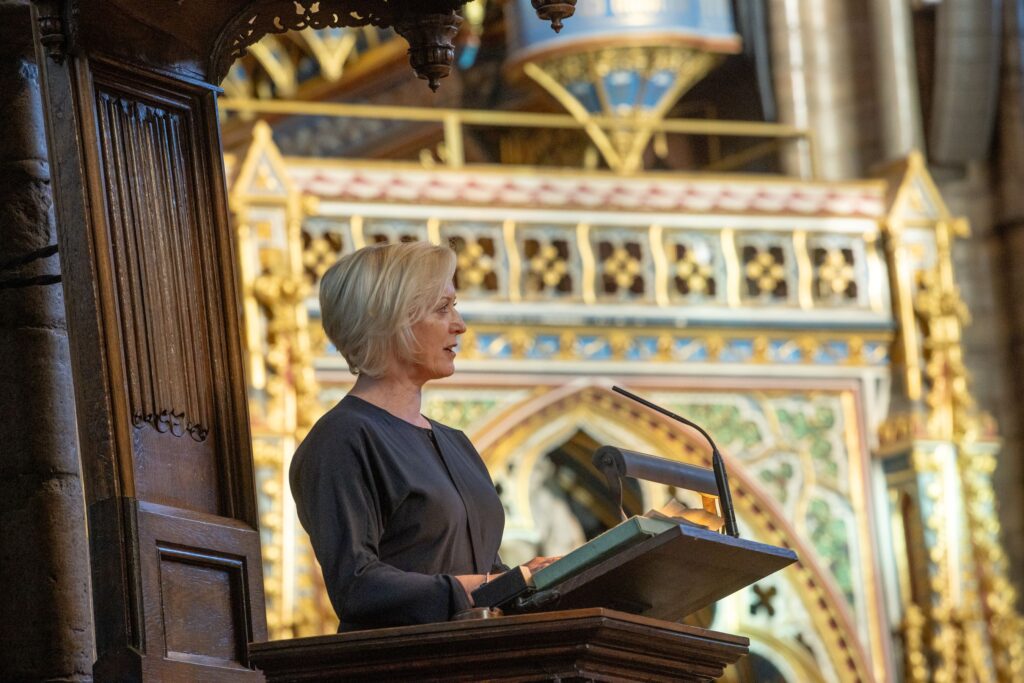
[439,373]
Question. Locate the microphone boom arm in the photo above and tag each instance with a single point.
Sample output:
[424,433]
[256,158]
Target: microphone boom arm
[718,465]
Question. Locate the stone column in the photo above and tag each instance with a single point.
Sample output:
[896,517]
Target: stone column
[45,617]
[899,107]
[819,65]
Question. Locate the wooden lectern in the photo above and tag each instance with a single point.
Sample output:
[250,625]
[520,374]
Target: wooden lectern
[666,576]
[588,644]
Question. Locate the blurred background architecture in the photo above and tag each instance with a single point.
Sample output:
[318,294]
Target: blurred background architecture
[795,221]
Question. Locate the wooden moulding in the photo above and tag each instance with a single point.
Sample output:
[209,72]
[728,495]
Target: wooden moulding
[148,271]
[590,644]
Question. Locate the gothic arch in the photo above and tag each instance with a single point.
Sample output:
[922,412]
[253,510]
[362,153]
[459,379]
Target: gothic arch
[800,665]
[532,428]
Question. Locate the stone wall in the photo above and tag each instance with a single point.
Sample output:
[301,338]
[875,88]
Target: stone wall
[45,614]
[1007,242]
[990,272]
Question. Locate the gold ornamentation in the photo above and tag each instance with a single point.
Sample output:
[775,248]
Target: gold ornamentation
[468,345]
[549,271]
[622,148]
[692,276]
[319,252]
[973,632]
[619,343]
[599,406]
[1005,626]
[765,271]
[548,266]
[277,279]
[519,342]
[621,269]
[547,147]
[942,315]
[474,264]
[916,663]
[655,345]
[599,127]
[268,465]
[896,430]
[460,414]
[835,276]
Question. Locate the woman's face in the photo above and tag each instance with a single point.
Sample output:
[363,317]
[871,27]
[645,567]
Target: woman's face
[436,336]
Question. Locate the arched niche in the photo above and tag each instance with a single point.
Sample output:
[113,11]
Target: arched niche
[526,434]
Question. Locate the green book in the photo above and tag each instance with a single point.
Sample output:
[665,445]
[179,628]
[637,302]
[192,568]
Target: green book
[615,540]
[518,581]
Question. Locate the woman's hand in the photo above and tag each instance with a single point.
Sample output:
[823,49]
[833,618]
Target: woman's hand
[470,582]
[538,563]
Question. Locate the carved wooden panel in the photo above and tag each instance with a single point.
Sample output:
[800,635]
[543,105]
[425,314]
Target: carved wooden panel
[153,325]
[190,580]
[161,248]
[175,549]
[162,319]
[199,597]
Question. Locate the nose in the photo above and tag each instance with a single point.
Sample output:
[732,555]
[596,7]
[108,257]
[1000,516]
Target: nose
[458,325]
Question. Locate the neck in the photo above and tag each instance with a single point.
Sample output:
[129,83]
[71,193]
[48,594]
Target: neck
[398,395]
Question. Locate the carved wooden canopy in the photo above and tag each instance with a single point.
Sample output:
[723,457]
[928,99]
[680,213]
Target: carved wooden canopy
[428,26]
[202,39]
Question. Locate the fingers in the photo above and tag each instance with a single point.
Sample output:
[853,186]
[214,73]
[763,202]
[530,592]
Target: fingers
[538,563]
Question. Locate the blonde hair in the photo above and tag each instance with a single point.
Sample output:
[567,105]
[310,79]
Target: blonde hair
[371,298]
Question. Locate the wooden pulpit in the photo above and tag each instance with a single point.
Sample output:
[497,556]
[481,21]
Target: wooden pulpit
[657,570]
[577,645]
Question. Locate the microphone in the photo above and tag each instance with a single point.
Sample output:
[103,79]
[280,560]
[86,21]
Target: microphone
[721,478]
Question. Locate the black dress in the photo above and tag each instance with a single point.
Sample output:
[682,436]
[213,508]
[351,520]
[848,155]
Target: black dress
[394,511]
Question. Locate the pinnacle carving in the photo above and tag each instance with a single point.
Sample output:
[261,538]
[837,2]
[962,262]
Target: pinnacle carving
[431,50]
[554,11]
[51,35]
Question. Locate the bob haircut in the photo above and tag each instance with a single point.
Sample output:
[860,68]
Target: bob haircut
[371,298]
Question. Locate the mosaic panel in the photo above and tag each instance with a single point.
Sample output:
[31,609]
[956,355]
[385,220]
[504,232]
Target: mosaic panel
[482,270]
[624,265]
[696,269]
[795,445]
[551,263]
[378,230]
[768,265]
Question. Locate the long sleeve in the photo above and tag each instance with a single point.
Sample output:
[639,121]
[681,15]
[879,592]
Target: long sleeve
[499,566]
[394,512]
[340,506]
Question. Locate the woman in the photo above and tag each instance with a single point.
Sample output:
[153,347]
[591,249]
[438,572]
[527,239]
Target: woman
[401,511]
